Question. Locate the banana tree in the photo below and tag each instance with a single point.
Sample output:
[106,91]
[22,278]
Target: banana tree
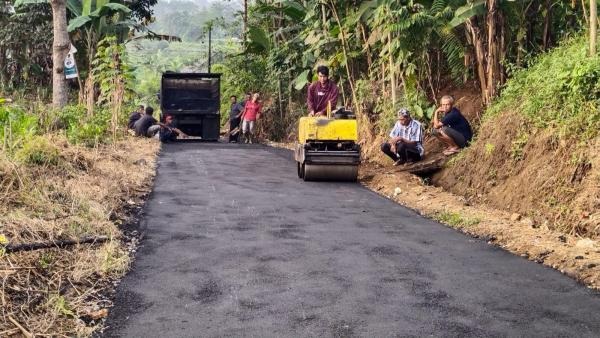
[93,20]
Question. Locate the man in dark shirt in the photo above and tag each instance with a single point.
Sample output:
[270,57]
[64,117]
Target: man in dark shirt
[453,129]
[147,125]
[168,131]
[235,113]
[136,115]
[322,94]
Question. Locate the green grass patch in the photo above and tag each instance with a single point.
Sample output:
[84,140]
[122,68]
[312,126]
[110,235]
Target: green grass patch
[455,219]
[38,150]
[560,90]
[517,146]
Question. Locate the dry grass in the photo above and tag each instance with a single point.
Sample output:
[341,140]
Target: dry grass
[81,192]
[570,254]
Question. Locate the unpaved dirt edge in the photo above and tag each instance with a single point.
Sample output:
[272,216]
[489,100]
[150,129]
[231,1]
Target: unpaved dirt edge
[573,256]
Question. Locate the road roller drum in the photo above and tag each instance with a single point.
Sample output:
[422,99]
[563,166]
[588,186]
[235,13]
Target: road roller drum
[327,148]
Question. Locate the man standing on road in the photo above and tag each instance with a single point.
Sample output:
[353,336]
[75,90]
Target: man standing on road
[250,114]
[235,113]
[453,129]
[322,94]
[406,140]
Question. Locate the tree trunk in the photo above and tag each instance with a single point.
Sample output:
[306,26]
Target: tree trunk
[489,56]
[209,46]
[502,39]
[392,70]
[479,57]
[3,76]
[324,17]
[60,49]
[585,16]
[593,26]
[346,56]
[245,22]
[367,48]
[89,90]
[547,38]
[493,61]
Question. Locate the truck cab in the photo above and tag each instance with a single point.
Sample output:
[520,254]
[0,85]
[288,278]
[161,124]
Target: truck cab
[193,99]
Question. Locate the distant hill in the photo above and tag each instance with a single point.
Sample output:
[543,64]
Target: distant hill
[187,18]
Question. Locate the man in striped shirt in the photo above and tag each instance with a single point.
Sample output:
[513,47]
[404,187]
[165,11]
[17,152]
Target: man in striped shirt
[406,140]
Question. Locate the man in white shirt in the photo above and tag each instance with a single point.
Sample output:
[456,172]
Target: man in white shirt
[406,140]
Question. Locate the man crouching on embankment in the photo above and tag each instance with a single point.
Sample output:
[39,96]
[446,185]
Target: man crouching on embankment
[453,130]
[406,140]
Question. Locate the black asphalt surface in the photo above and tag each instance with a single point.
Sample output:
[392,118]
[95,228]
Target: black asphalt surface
[237,246]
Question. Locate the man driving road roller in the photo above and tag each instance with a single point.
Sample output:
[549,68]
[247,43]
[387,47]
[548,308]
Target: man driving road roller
[322,93]
[327,148]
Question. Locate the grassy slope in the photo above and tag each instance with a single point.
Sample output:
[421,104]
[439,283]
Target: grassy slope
[53,190]
[536,151]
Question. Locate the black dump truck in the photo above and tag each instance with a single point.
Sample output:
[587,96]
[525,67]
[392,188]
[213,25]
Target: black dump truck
[193,99]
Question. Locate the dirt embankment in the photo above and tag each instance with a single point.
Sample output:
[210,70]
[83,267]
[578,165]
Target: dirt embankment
[573,255]
[59,192]
[522,190]
[534,173]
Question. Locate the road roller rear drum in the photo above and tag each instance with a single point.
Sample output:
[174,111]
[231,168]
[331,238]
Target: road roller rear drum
[326,149]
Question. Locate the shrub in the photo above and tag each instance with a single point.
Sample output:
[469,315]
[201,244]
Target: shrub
[70,116]
[38,150]
[91,130]
[561,89]
[15,126]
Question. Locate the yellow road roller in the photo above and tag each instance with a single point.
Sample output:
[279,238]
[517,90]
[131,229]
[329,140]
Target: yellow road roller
[327,148]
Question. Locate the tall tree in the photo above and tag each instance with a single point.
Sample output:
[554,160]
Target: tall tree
[60,49]
[245,22]
[593,26]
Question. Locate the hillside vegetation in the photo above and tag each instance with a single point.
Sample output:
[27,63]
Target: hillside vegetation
[536,152]
[64,177]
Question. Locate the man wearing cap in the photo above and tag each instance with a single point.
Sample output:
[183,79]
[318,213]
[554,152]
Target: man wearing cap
[406,140]
[322,94]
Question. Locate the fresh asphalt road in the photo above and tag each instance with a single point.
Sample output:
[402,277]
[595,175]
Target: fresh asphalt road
[236,245]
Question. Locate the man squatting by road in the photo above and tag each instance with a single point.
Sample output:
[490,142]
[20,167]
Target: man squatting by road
[148,126]
[322,93]
[136,115]
[168,131]
[406,140]
[453,129]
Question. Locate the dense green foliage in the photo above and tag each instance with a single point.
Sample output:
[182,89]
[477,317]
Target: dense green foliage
[560,89]
[390,53]
[26,66]
[16,126]
[26,38]
[21,125]
[152,58]
[188,21]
